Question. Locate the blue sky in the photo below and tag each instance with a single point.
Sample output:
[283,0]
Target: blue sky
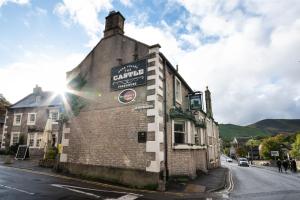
[246,51]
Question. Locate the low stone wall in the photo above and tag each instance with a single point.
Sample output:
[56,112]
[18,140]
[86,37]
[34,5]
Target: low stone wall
[128,177]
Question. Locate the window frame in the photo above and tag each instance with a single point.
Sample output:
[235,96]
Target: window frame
[178,97]
[181,122]
[51,113]
[29,138]
[28,119]
[12,138]
[15,119]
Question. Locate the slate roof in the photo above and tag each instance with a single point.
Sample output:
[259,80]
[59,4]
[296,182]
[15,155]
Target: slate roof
[46,99]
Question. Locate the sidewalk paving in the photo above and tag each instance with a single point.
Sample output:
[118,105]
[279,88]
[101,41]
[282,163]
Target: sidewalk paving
[214,180]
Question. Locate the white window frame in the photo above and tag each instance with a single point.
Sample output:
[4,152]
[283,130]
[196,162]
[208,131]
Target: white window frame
[28,119]
[36,136]
[185,131]
[54,111]
[15,119]
[11,138]
[28,140]
[178,97]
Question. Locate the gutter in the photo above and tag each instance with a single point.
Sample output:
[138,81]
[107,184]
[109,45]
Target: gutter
[165,123]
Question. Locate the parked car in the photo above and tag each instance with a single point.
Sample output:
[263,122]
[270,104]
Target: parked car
[243,162]
[228,160]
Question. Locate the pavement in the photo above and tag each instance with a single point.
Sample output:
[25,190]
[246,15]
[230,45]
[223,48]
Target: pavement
[260,183]
[23,175]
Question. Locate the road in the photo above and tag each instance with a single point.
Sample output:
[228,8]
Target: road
[18,184]
[262,184]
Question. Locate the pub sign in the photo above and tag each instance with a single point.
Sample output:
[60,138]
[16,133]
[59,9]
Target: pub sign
[196,102]
[129,75]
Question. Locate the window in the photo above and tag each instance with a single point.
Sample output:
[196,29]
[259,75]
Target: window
[14,138]
[31,118]
[178,94]
[38,140]
[17,119]
[54,115]
[179,132]
[31,139]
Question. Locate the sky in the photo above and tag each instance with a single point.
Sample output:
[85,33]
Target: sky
[246,51]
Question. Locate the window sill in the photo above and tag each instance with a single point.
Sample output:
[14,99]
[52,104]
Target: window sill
[186,146]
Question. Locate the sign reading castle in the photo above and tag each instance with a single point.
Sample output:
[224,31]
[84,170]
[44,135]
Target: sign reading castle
[129,75]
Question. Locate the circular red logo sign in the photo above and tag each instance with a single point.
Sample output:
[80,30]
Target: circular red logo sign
[126,96]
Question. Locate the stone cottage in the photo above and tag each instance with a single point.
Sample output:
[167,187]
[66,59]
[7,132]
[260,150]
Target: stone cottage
[137,121]
[26,121]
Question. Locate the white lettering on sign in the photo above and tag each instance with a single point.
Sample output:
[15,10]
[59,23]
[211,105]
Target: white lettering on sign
[129,75]
[141,107]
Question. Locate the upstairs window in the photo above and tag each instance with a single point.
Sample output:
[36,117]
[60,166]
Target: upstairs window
[54,115]
[17,119]
[179,132]
[31,118]
[178,94]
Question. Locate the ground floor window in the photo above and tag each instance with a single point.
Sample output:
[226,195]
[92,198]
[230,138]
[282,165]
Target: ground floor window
[31,139]
[179,132]
[35,140]
[15,138]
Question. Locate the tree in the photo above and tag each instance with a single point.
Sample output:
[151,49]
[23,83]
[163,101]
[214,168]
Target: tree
[241,151]
[271,144]
[295,152]
[253,143]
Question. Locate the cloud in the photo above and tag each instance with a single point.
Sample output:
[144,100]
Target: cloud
[48,71]
[252,69]
[85,13]
[127,3]
[20,2]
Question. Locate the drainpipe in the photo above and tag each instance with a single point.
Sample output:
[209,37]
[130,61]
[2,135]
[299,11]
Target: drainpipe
[165,125]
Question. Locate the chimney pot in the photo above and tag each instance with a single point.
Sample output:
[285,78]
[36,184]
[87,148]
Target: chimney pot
[114,24]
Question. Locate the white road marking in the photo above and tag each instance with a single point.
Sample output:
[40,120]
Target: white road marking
[127,196]
[19,190]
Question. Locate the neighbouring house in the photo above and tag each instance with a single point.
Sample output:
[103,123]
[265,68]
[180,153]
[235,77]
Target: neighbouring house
[3,106]
[137,121]
[240,143]
[32,121]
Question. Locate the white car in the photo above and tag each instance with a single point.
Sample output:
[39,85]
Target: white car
[228,160]
[243,162]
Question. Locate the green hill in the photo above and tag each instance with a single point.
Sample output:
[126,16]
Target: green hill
[260,128]
[274,126]
[229,131]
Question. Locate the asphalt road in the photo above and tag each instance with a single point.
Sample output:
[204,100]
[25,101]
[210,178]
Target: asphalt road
[24,185]
[18,184]
[262,184]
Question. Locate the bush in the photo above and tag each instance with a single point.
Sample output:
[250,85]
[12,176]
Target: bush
[3,152]
[51,153]
[12,150]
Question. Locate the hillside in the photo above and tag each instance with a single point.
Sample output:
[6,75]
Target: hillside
[260,128]
[274,126]
[229,131]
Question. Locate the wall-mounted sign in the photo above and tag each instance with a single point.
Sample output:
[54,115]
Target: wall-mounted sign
[129,75]
[196,101]
[127,96]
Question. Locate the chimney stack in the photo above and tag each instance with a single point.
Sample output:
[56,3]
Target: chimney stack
[37,90]
[114,24]
[208,103]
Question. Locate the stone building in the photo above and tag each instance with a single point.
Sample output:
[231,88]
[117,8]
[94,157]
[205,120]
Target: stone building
[26,121]
[139,122]
[3,106]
